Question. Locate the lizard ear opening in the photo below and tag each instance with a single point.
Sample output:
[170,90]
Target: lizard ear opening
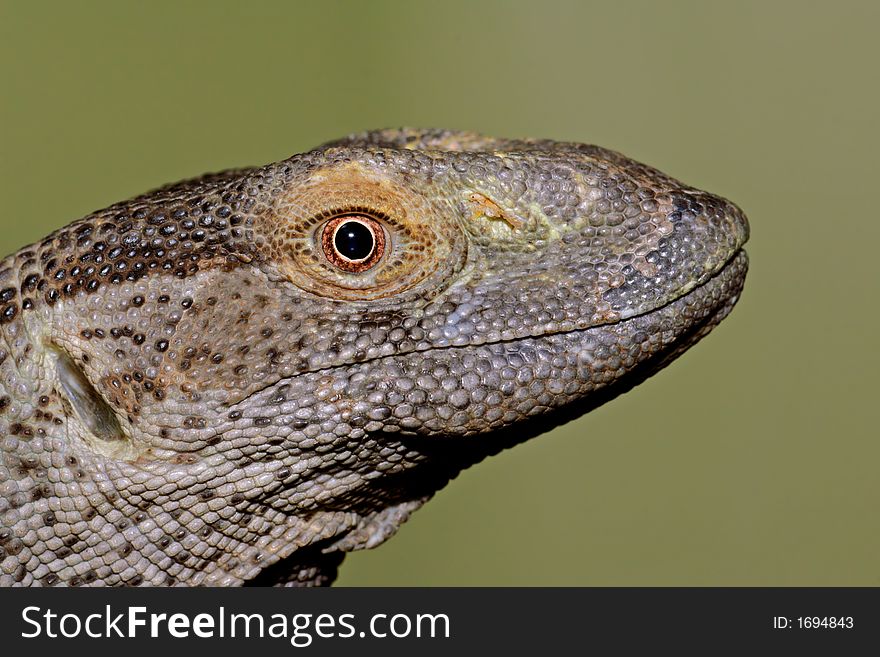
[106,434]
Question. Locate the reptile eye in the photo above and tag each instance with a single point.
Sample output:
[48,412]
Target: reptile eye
[353,242]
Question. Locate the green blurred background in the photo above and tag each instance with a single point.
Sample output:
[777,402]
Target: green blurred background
[753,460]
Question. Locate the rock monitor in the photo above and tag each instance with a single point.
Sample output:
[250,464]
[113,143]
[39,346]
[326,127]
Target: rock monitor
[239,378]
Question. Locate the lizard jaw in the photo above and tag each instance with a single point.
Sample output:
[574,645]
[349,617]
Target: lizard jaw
[569,366]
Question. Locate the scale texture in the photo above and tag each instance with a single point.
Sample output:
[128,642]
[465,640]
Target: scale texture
[197,386]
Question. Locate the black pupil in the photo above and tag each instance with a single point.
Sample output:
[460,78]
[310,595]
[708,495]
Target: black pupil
[353,240]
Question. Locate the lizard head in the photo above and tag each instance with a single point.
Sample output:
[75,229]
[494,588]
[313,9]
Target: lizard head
[241,377]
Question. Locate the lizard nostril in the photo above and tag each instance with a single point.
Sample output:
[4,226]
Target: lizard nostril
[94,412]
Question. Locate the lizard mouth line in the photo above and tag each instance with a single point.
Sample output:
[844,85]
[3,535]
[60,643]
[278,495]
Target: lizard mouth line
[719,274]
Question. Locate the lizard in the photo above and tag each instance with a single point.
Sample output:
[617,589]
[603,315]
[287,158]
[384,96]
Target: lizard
[237,379]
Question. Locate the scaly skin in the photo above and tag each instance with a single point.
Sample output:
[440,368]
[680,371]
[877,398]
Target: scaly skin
[193,392]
